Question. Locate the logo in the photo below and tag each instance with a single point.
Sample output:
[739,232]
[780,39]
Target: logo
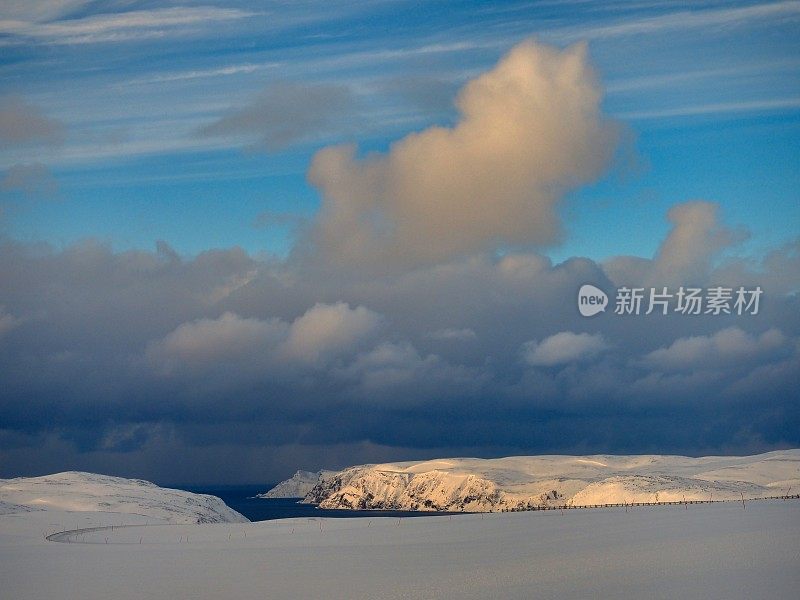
[591,300]
[714,301]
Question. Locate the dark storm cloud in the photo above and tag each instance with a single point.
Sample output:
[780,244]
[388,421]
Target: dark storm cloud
[284,113]
[124,353]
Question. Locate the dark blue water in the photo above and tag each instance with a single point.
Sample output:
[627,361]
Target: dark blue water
[241,499]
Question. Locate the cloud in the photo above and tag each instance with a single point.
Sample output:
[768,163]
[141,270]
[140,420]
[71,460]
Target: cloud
[228,350]
[208,343]
[767,105]
[563,348]
[457,335]
[326,330]
[687,254]
[117,26]
[22,123]
[696,237]
[396,374]
[7,322]
[41,10]
[284,113]
[32,179]
[683,20]
[259,347]
[530,129]
[728,347]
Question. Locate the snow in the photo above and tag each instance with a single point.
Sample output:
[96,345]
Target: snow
[697,551]
[88,492]
[297,486]
[530,482]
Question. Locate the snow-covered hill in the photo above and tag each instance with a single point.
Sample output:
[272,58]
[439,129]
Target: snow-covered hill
[529,482]
[89,492]
[297,486]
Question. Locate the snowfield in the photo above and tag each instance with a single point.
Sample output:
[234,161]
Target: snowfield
[532,482]
[88,492]
[709,551]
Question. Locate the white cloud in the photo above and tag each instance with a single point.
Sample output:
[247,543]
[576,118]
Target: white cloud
[726,347]
[683,20]
[770,104]
[252,346]
[111,27]
[329,329]
[530,129]
[686,256]
[563,348]
[208,343]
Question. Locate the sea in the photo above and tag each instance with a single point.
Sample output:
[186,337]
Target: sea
[241,498]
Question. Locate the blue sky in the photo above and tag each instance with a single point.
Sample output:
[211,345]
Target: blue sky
[240,238]
[710,94]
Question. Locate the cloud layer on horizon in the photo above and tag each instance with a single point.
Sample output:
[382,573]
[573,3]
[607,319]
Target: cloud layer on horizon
[120,353]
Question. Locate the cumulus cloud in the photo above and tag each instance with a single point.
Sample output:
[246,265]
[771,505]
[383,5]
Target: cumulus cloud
[396,374]
[696,237]
[205,343]
[530,129]
[728,347]
[258,347]
[563,348]
[24,123]
[326,330]
[687,254]
[283,113]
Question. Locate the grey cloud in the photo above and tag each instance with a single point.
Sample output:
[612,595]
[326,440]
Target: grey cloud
[424,92]
[32,179]
[284,113]
[120,353]
[464,334]
[23,123]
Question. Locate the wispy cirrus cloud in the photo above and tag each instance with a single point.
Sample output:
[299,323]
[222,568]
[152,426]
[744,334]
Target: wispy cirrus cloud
[202,73]
[685,19]
[778,104]
[115,27]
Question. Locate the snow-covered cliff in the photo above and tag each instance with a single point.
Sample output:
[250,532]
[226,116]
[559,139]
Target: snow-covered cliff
[297,486]
[89,492]
[528,482]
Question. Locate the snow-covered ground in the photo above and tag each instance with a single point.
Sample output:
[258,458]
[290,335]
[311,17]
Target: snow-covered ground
[528,482]
[88,492]
[297,486]
[699,551]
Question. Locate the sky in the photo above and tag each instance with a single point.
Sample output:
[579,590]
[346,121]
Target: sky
[242,238]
